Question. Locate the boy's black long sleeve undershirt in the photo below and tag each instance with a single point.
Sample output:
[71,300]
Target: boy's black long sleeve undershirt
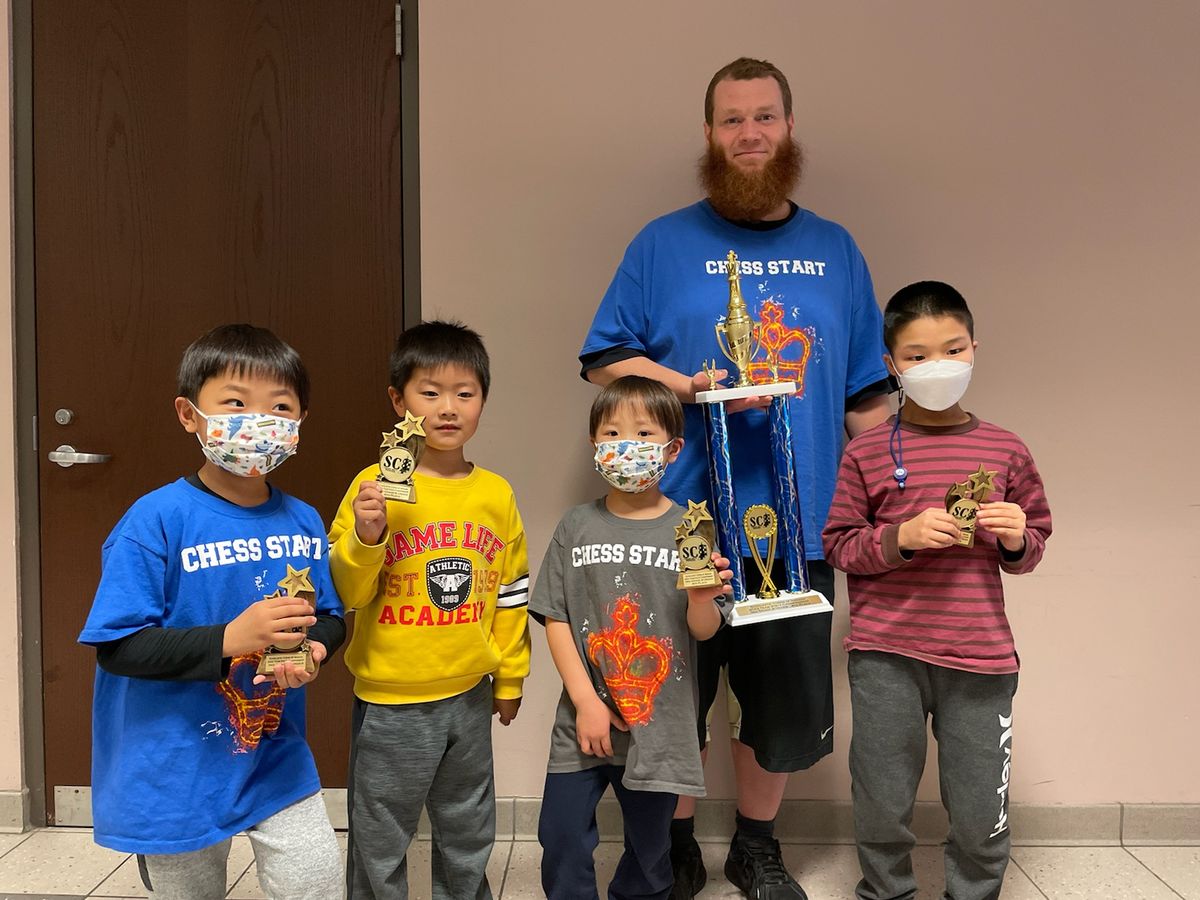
[191,654]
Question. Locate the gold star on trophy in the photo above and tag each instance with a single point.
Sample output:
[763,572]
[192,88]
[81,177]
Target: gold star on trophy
[297,581]
[697,513]
[411,425]
[694,537]
[983,483]
[958,490]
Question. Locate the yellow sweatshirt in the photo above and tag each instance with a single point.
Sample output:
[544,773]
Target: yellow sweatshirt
[441,600]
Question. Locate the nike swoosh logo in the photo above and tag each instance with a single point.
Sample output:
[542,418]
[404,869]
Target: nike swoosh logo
[825,732]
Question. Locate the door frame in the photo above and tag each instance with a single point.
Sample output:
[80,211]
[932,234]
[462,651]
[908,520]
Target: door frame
[33,788]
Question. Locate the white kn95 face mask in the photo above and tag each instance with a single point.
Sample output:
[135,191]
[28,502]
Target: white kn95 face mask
[938,384]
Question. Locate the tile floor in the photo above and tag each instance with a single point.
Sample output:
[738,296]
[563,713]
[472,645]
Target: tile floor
[63,863]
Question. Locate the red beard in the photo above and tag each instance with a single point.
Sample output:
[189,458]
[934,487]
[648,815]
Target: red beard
[750,196]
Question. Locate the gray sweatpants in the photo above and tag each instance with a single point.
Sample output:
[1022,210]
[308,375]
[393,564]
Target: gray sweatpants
[892,697]
[437,755]
[295,851]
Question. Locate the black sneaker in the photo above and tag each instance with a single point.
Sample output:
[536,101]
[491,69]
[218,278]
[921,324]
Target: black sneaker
[687,865]
[756,868]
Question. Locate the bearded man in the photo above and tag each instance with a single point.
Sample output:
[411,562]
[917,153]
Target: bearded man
[806,277]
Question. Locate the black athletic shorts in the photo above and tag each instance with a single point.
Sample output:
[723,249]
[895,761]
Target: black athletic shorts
[779,675]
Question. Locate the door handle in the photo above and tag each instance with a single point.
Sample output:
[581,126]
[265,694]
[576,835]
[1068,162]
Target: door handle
[67,456]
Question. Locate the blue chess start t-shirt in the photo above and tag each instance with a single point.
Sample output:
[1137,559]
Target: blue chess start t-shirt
[180,765]
[807,282]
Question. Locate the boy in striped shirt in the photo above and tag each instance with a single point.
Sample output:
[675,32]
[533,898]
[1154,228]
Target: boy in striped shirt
[928,634]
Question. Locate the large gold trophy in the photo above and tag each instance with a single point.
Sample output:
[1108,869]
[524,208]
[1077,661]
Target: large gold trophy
[738,329]
[779,524]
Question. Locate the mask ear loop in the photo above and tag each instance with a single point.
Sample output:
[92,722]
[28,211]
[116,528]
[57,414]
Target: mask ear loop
[896,447]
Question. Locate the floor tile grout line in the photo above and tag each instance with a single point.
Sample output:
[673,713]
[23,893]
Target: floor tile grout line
[24,837]
[1138,860]
[252,862]
[100,883]
[1037,887]
[238,880]
[504,875]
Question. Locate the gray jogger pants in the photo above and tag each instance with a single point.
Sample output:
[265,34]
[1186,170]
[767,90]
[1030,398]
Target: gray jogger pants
[892,697]
[295,851]
[437,755]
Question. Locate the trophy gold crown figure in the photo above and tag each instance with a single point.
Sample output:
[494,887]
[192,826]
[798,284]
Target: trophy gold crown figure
[741,341]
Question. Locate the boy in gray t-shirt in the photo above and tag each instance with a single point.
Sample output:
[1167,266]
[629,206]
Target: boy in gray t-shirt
[623,639]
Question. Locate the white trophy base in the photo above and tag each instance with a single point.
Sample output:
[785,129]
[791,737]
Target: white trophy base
[753,609]
[754,390]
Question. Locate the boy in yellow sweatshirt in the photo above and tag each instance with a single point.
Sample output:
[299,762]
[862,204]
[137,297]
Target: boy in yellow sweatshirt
[439,587]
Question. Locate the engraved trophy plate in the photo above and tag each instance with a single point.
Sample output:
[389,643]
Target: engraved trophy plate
[962,502]
[695,536]
[740,337]
[399,455]
[296,584]
[300,656]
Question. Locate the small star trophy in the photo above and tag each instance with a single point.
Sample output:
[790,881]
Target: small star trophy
[296,584]
[962,502]
[399,455]
[694,537]
[739,338]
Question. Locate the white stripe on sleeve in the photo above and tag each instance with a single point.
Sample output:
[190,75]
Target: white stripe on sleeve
[515,594]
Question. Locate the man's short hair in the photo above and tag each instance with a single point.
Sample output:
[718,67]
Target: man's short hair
[432,345]
[921,299]
[241,350]
[746,69]
[656,398]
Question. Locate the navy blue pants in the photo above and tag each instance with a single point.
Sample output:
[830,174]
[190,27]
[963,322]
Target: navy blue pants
[568,835]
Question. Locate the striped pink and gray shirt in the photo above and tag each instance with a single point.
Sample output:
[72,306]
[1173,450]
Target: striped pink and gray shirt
[945,607]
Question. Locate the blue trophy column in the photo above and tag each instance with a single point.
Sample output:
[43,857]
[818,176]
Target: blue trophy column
[787,494]
[720,476]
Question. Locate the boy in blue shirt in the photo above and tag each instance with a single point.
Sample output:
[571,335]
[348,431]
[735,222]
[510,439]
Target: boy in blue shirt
[189,744]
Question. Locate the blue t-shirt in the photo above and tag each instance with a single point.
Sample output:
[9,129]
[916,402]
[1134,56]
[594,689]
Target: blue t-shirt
[180,765]
[808,281]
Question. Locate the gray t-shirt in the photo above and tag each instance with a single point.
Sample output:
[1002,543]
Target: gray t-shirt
[613,581]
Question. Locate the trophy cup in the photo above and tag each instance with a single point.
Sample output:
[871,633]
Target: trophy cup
[779,524]
[296,584]
[694,536]
[398,457]
[962,502]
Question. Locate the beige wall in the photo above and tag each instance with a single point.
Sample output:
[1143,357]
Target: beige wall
[11,777]
[1039,156]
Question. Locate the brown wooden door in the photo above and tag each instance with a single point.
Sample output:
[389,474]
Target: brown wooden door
[197,163]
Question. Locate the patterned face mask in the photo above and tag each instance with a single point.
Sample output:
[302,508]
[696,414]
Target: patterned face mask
[631,466]
[248,444]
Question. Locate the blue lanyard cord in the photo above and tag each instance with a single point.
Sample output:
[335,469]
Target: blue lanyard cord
[896,449]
